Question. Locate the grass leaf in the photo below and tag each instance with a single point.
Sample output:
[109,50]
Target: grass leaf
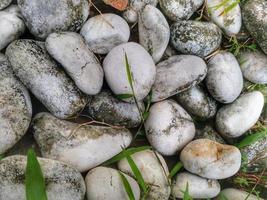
[127,186]
[129,72]
[35,182]
[124,96]
[186,193]
[175,169]
[222,197]
[250,139]
[124,153]
[137,174]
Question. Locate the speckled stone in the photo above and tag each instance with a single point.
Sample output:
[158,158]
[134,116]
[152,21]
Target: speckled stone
[224,78]
[180,9]
[4,3]
[104,183]
[154,170]
[62,181]
[254,13]
[15,107]
[11,25]
[176,74]
[104,32]
[210,159]
[198,187]
[198,102]
[48,16]
[254,66]
[195,37]
[106,107]
[82,147]
[229,22]
[235,194]
[169,127]
[208,132]
[154,31]
[71,51]
[235,119]
[44,78]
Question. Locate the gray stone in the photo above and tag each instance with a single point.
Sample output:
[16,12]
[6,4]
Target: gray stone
[104,32]
[4,3]
[48,16]
[62,181]
[180,9]
[195,37]
[70,50]
[177,74]
[235,194]
[208,132]
[81,146]
[15,107]
[44,78]
[235,119]
[254,13]
[224,78]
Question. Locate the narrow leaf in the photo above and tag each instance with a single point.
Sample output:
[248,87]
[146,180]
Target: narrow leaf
[124,96]
[186,193]
[35,183]
[175,169]
[129,72]
[127,186]
[124,153]
[137,174]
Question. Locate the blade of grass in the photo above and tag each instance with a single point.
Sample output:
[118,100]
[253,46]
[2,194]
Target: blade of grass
[137,174]
[250,139]
[124,96]
[186,193]
[127,186]
[35,182]
[124,153]
[178,166]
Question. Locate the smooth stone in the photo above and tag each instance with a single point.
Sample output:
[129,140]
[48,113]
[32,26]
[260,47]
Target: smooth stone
[4,4]
[235,194]
[15,107]
[197,102]
[154,170]
[198,187]
[11,25]
[130,15]
[254,14]
[104,183]
[210,159]
[229,22]
[195,37]
[71,51]
[169,127]
[62,181]
[107,108]
[176,74]
[254,66]
[104,32]
[235,119]
[208,132]
[141,65]
[180,9]
[154,31]
[48,16]
[224,78]
[44,78]
[81,146]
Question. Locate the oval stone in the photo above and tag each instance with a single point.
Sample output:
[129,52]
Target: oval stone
[169,127]
[235,194]
[195,37]
[235,119]
[224,78]
[4,3]
[70,50]
[210,159]
[176,74]
[81,146]
[48,16]
[104,32]
[44,78]
[104,183]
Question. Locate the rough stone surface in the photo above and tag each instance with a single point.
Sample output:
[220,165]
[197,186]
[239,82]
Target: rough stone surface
[235,194]
[4,3]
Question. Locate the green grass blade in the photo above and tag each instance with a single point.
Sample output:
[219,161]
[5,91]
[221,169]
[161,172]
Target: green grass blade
[124,96]
[35,182]
[250,139]
[222,197]
[124,153]
[127,186]
[175,169]
[186,193]
[137,174]
[129,72]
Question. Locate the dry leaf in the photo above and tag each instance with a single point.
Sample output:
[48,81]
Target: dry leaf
[118,4]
